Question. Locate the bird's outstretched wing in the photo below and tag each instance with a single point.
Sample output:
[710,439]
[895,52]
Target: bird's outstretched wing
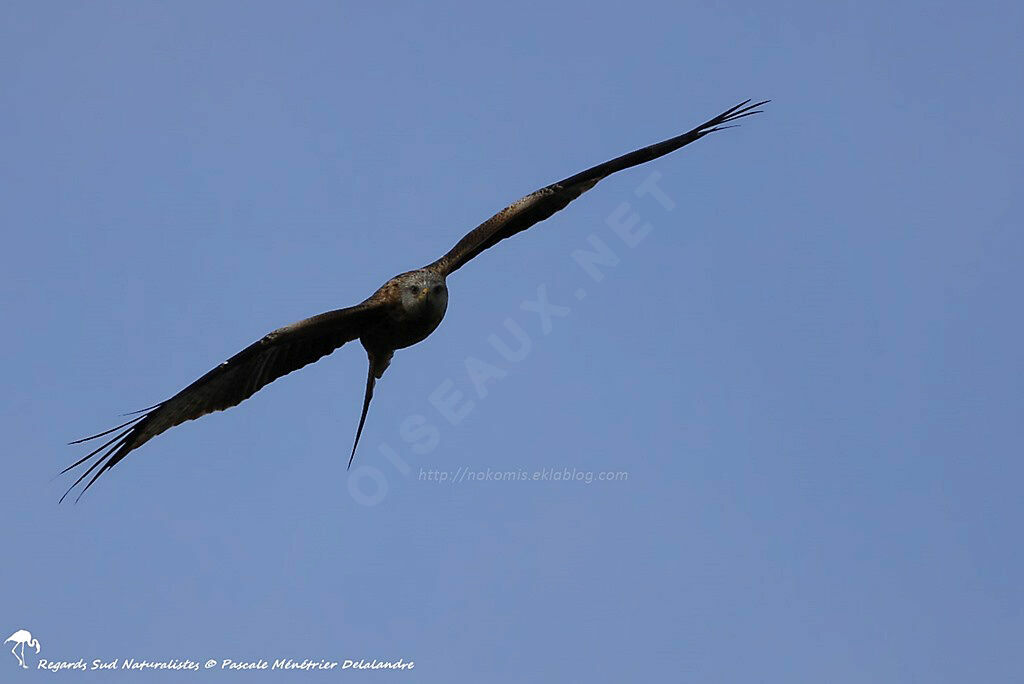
[232,382]
[541,204]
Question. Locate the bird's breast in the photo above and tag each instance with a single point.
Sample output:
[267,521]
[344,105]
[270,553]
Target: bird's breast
[404,328]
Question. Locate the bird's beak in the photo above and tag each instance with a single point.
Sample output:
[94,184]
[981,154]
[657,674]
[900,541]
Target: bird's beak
[424,292]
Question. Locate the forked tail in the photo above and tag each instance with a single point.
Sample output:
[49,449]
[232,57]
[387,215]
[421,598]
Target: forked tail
[370,382]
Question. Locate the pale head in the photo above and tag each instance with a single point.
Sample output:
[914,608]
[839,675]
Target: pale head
[423,292]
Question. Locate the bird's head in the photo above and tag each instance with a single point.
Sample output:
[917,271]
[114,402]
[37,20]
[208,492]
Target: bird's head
[423,291]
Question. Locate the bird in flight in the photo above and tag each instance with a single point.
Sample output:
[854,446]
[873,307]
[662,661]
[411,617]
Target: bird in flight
[402,312]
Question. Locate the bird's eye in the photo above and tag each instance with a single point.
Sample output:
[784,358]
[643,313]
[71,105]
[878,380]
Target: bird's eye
[412,290]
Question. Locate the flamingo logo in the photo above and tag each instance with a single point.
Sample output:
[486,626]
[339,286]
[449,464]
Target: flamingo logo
[21,638]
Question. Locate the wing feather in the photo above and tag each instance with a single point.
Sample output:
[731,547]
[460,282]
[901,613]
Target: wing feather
[539,205]
[276,354]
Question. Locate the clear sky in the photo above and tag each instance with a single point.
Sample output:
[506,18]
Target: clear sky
[808,365]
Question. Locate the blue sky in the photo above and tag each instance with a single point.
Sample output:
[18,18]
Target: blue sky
[809,367]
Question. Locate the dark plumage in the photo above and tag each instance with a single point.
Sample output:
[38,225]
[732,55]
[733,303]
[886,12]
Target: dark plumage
[404,311]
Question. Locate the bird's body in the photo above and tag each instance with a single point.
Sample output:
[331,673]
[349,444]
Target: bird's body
[403,311]
[415,305]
